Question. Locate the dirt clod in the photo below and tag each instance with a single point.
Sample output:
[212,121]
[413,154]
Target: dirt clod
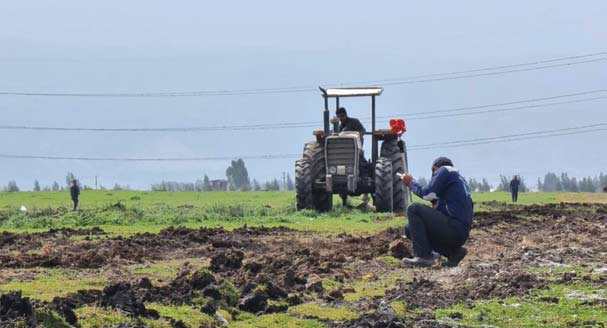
[255,302]
[398,249]
[13,305]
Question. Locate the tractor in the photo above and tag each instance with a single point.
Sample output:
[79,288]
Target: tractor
[335,164]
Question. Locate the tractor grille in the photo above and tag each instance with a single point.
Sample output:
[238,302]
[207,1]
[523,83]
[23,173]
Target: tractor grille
[341,151]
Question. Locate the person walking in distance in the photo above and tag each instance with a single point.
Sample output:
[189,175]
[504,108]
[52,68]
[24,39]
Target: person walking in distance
[514,184]
[75,193]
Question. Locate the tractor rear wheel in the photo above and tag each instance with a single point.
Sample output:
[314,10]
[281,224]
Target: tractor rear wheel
[303,184]
[391,151]
[314,152]
[383,196]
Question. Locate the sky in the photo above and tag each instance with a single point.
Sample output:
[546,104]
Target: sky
[181,46]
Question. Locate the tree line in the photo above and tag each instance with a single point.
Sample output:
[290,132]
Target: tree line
[56,186]
[237,179]
[553,182]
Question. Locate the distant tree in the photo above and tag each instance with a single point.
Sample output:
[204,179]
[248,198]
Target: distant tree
[256,185]
[290,184]
[473,184]
[569,184]
[55,186]
[46,188]
[206,184]
[540,187]
[484,186]
[69,178]
[273,185]
[117,187]
[522,187]
[198,185]
[238,176]
[422,181]
[587,185]
[12,186]
[36,185]
[602,181]
[551,183]
[504,184]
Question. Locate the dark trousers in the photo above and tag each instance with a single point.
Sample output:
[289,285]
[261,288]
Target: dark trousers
[431,230]
[514,195]
[75,200]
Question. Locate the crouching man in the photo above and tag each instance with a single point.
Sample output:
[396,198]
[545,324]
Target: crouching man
[444,228]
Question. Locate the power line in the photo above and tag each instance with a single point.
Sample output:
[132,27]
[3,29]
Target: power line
[503,103]
[598,127]
[491,68]
[147,159]
[577,129]
[307,88]
[458,111]
[495,73]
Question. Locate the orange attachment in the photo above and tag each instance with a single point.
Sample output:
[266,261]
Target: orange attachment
[398,126]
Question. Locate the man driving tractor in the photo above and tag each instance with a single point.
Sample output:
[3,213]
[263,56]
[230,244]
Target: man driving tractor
[349,123]
[445,227]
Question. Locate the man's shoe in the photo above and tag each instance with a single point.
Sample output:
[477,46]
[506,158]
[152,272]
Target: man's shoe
[435,255]
[418,261]
[458,256]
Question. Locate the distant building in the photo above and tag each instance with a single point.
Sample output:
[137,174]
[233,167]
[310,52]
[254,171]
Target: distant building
[219,185]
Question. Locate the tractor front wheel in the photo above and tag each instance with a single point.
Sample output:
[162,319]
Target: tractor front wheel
[392,151]
[383,196]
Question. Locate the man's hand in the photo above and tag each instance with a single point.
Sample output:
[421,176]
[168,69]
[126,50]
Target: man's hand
[407,179]
[334,120]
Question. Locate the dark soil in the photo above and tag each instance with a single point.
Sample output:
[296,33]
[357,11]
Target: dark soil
[284,265]
[13,306]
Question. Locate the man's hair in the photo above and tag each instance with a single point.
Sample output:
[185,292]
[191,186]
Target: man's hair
[341,110]
[442,161]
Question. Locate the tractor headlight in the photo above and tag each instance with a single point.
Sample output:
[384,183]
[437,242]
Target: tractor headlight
[349,169]
[333,169]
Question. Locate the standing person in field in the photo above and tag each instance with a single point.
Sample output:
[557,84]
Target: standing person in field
[514,184]
[75,193]
[444,228]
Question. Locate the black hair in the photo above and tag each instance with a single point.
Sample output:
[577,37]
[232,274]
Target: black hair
[341,110]
[441,161]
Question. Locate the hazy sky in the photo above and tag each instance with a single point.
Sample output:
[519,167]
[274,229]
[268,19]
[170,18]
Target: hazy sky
[153,46]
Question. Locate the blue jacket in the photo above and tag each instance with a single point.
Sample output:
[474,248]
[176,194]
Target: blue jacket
[451,191]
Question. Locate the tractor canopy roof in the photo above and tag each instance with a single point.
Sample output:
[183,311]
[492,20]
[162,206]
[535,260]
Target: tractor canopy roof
[352,92]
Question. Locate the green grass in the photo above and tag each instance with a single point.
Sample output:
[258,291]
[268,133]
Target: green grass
[317,311]
[536,310]
[54,282]
[277,320]
[189,315]
[129,212]
[368,287]
[143,199]
[97,317]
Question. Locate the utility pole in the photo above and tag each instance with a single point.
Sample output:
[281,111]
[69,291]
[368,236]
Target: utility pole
[95,182]
[284,180]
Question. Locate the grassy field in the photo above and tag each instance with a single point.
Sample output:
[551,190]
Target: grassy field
[128,212]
